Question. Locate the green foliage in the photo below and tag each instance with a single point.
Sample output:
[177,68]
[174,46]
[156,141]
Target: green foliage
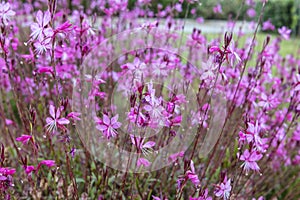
[230,9]
[281,13]
[204,8]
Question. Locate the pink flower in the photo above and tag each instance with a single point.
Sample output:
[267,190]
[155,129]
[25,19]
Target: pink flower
[267,25]
[63,28]
[175,156]
[24,138]
[174,122]
[55,121]
[155,198]
[48,163]
[7,171]
[285,32]
[214,49]
[74,115]
[209,70]
[218,8]
[9,122]
[251,12]
[200,20]
[6,179]
[178,7]
[231,54]
[139,143]
[192,176]
[41,47]
[223,189]
[143,161]
[39,28]
[5,12]
[250,160]
[202,196]
[109,126]
[29,169]
[45,70]
[268,102]
[252,135]
[296,135]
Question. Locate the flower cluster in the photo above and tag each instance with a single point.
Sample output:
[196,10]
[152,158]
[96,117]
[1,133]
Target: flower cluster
[143,87]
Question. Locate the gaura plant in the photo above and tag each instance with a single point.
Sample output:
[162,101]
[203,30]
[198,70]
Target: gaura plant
[99,101]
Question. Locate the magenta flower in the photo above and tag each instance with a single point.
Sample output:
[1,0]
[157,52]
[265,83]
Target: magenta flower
[223,189]
[155,198]
[9,122]
[231,54]
[192,176]
[296,135]
[63,28]
[250,160]
[267,25]
[268,102]
[109,126]
[139,143]
[175,156]
[55,121]
[41,47]
[7,171]
[202,196]
[74,115]
[209,69]
[218,8]
[200,20]
[143,161]
[6,178]
[44,69]
[48,163]
[5,12]
[174,121]
[29,169]
[251,12]
[285,32]
[24,138]
[253,135]
[39,28]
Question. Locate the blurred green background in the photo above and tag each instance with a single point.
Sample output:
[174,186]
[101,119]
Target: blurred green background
[280,12]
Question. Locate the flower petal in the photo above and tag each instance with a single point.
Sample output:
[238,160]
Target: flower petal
[52,111]
[39,18]
[63,121]
[149,144]
[106,120]
[47,18]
